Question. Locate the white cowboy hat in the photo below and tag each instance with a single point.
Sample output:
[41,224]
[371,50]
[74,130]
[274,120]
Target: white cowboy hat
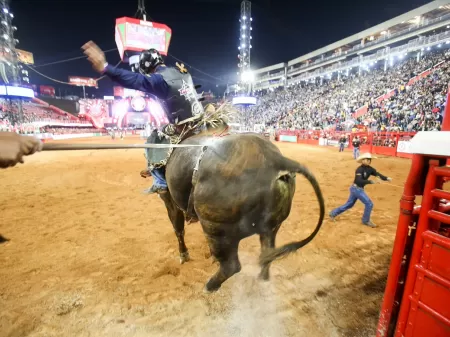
[366,155]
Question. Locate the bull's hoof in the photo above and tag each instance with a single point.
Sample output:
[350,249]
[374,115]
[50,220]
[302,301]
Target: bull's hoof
[211,287]
[264,277]
[184,257]
[208,291]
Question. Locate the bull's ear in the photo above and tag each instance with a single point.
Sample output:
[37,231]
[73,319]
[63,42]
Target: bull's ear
[198,86]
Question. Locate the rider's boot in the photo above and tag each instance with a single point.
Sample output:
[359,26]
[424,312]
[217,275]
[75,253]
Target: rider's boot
[155,189]
[159,182]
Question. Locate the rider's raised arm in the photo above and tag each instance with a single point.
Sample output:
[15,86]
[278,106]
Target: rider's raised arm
[152,84]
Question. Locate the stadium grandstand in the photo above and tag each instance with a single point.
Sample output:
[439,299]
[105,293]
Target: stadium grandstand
[20,108]
[391,77]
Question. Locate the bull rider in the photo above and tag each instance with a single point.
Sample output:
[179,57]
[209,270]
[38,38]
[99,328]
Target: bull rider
[173,86]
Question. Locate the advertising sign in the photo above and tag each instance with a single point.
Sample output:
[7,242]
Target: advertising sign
[404,146]
[287,138]
[83,81]
[47,90]
[124,92]
[25,56]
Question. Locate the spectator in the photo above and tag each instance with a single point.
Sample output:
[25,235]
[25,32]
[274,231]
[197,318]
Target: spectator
[342,141]
[356,143]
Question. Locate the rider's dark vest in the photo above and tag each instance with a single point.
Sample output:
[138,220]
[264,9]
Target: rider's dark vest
[181,103]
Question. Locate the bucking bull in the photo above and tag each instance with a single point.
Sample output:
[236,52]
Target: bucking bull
[236,186]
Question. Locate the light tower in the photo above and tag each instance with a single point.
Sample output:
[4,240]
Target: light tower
[10,70]
[245,46]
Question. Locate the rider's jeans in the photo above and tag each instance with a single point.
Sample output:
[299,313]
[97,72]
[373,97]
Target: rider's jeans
[159,177]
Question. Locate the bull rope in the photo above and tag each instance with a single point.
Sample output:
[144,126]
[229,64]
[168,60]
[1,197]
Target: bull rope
[69,147]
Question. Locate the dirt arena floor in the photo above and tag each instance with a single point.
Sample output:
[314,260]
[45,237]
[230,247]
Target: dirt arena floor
[90,255]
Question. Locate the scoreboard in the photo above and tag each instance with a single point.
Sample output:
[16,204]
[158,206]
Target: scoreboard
[134,35]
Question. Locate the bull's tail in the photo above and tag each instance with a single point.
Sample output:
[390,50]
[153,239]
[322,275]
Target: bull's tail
[286,164]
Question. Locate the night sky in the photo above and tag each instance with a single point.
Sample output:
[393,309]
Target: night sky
[205,33]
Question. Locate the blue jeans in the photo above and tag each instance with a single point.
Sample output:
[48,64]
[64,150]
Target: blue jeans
[355,152]
[341,147]
[356,193]
[159,177]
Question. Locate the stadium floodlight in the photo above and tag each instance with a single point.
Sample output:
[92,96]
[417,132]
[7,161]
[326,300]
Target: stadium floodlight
[244,17]
[243,35]
[5,10]
[243,45]
[244,26]
[11,15]
[248,76]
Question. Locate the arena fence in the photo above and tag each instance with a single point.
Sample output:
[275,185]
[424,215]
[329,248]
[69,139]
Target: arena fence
[395,144]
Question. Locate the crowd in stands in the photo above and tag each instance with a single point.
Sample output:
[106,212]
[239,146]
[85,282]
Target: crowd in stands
[68,130]
[331,102]
[32,112]
[33,115]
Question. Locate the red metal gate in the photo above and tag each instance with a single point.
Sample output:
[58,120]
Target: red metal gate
[425,307]
[416,302]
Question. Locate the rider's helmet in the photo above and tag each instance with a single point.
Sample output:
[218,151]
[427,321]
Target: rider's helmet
[149,60]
